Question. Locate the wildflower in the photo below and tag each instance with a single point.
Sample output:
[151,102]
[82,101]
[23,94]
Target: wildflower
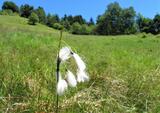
[82,76]
[71,79]
[65,53]
[61,86]
[81,65]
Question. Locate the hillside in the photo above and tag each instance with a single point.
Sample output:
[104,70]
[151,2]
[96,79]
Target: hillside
[124,71]
[16,22]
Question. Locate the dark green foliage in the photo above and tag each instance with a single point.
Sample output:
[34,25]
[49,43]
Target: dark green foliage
[79,19]
[148,25]
[41,15]
[66,24]
[128,21]
[156,24]
[8,5]
[77,24]
[116,20]
[51,19]
[33,18]
[26,10]
[91,22]
[70,19]
[144,24]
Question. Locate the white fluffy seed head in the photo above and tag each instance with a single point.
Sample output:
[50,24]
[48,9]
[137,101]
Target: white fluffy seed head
[61,86]
[71,79]
[82,76]
[81,65]
[65,53]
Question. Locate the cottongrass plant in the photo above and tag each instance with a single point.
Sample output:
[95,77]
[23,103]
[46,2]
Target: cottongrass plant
[69,79]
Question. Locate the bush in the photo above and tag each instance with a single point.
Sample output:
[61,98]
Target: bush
[76,27]
[8,12]
[57,26]
[81,29]
[33,18]
[85,30]
[144,35]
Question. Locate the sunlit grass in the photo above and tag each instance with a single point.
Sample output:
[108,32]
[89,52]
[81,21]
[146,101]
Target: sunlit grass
[124,71]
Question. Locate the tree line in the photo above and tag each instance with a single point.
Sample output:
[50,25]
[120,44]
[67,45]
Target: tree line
[114,21]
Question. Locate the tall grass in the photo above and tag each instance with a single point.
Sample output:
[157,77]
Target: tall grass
[124,72]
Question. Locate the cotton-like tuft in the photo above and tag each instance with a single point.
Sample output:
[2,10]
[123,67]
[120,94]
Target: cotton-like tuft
[61,86]
[82,76]
[81,65]
[71,79]
[65,53]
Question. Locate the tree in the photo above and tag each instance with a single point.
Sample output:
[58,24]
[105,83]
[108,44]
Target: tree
[41,15]
[91,22]
[116,20]
[51,19]
[79,19]
[8,5]
[66,24]
[145,24]
[156,24]
[70,19]
[33,18]
[26,10]
[128,21]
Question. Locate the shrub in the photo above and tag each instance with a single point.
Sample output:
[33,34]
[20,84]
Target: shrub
[85,30]
[6,12]
[33,18]
[144,35]
[57,26]
[81,29]
[76,27]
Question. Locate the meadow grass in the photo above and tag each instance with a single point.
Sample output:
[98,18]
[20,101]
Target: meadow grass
[124,71]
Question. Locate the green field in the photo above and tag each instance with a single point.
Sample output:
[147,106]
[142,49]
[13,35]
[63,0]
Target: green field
[124,71]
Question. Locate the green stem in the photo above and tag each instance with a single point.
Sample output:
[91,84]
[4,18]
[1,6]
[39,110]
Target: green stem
[57,70]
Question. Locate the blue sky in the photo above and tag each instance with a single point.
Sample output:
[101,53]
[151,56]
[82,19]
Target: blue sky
[91,8]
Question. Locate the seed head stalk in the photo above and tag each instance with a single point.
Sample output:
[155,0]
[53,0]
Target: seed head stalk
[57,70]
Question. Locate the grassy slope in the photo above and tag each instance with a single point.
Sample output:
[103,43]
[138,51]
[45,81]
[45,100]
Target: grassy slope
[124,71]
